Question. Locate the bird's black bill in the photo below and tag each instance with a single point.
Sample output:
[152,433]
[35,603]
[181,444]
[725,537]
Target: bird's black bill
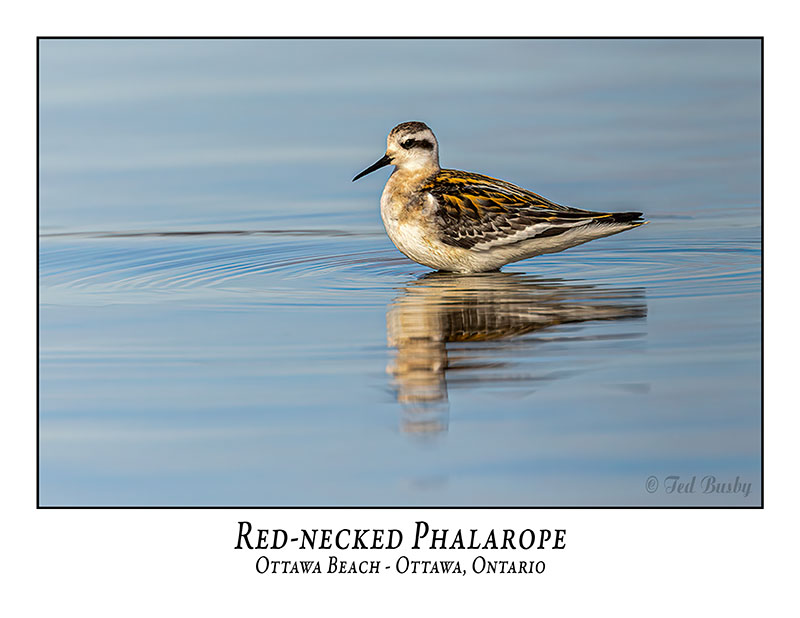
[386,160]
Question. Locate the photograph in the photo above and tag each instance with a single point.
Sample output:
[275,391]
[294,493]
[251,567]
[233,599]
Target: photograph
[408,272]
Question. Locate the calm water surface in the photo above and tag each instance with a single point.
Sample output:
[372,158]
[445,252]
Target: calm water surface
[223,320]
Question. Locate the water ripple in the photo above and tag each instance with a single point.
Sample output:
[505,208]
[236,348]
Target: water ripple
[247,267]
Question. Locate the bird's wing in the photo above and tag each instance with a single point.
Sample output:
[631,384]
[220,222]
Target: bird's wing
[480,213]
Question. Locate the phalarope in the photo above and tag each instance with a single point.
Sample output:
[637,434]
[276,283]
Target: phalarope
[466,222]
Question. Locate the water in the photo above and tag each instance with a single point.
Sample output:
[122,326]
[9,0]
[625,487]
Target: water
[223,320]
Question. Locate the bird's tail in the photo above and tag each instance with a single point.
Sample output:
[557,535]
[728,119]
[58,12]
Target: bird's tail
[631,218]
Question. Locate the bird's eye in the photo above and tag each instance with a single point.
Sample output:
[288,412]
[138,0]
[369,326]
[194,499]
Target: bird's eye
[409,143]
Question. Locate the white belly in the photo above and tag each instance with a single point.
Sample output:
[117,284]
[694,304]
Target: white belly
[413,235]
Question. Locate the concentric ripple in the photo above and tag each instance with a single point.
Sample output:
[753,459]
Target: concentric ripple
[245,268]
[266,267]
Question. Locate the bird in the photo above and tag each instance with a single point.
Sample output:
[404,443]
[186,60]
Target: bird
[464,222]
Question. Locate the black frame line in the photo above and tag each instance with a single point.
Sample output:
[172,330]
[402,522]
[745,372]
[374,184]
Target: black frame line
[409,37]
[390,507]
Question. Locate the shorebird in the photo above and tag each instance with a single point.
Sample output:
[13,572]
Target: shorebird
[465,222]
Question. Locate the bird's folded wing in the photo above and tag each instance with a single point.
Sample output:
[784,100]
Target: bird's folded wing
[480,213]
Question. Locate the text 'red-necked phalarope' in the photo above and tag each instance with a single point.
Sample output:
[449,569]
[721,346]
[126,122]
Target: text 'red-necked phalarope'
[465,222]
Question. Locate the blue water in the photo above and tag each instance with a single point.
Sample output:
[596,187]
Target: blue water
[223,320]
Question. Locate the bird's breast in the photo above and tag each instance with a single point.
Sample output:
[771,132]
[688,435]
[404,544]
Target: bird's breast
[410,226]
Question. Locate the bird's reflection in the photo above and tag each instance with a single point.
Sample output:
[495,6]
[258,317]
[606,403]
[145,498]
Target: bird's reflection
[471,329]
